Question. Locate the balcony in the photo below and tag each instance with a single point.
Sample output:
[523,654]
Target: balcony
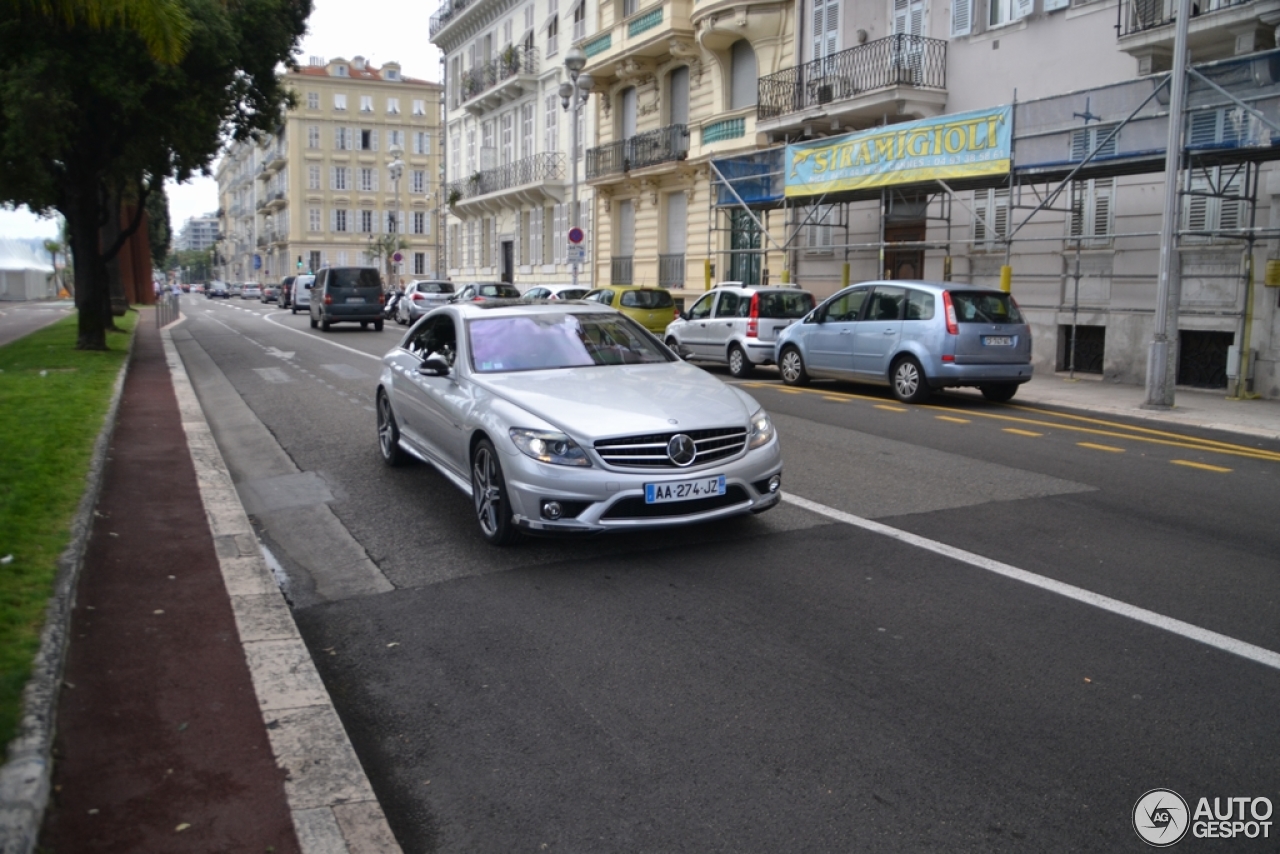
[500,80]
[277,157]
[446,13]
[532,180]
[901,75]
[277,199]
[671,270]
[656,31]
[621,269]
[664,145]
[1218,29]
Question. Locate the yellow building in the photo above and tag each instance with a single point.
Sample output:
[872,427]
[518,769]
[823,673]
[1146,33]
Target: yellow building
[356,164]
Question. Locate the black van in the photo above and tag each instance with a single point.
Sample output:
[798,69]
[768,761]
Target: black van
[347,295]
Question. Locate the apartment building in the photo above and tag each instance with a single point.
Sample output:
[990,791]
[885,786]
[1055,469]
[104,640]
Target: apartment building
[511,167]
[198,233]
[351,177]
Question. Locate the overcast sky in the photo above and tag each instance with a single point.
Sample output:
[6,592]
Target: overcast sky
[379,30]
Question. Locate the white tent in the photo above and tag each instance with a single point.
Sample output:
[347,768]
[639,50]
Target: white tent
[24,275]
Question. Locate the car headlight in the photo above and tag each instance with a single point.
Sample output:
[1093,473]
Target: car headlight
[549,447]
[761,429]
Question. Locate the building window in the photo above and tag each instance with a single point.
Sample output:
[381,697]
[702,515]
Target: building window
[419,222]
[339,219]
[392,222]
[366,222]
[313,136]
[368,179]
[991,218]
[393,106]
[421,142]
[368,140]
[342,258]
[340,71]
[580,21]
[419,107]
[392,74]
[553,36]
[818,236]
[743,85]
[313,177]
[550,131]
[339,178]
[526,130]
[342,138]
[535,235]
[1085,140]
[339,101]
[419,263]
[313,219]
[1008,11]
[366,103]
[316,258]
[507,123]
[1091,210]
[395,139]
[418,182]
[471,151]
[313,100]
[455,154]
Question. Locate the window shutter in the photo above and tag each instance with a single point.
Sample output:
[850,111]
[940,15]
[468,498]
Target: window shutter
[819,29]
[1022,8]
[333,177]
[1196,208]
[333,219]
[961,17]
[1232,210]
[1104,190]
[1001,223]
[832,29]
[1204,128]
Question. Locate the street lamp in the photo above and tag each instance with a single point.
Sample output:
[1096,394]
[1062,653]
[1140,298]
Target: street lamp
[396,169]
[573,95]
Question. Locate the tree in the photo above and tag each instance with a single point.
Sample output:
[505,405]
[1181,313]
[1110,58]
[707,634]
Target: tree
[53,247]
[385,246]
[159,229]
[89,119]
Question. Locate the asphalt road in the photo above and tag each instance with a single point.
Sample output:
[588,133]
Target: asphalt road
[21,318]
[971,627]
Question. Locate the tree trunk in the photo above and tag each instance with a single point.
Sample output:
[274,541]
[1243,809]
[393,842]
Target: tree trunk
[82,213]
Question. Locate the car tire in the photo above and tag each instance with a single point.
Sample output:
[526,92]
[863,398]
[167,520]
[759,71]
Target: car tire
[377,326]
[292,310]
[907,380]
[389,434]
[489,493]
[739,365]
[364,324]
[313,323]
[791,366]
[998,392]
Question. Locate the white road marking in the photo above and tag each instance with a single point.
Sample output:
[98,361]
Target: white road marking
[273,375]
[1257,654]
[271,319]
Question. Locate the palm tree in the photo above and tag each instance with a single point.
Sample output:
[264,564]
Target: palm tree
[53,247]
[162,24]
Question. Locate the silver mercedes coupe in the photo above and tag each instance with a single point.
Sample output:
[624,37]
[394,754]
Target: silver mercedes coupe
[560,418]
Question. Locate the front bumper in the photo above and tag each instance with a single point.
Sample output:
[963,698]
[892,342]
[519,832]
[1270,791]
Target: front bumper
[611,500]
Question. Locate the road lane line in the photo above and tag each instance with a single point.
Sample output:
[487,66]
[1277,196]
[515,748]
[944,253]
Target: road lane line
[835,399]
[1095,447]
[271,319]
[887,408]
[1203,466]
[1257,654]
[1015,431]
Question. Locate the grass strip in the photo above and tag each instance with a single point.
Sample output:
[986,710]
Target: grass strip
[53,399]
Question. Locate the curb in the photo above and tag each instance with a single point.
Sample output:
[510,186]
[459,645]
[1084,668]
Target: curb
[26,777]
[329,796]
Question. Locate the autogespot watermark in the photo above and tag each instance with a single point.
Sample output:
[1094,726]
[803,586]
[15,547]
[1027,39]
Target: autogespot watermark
[1161,818]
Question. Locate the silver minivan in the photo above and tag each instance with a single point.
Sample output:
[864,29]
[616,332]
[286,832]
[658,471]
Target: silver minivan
[301,296]
[913,337]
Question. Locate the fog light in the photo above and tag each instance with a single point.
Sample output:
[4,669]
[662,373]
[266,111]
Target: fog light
[552,510]
[775,483]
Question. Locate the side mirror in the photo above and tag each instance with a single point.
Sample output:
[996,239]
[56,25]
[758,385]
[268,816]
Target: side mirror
[434,366]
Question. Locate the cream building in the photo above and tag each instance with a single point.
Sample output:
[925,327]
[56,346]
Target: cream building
[356,164]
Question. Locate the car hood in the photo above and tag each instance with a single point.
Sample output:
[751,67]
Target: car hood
[621,400]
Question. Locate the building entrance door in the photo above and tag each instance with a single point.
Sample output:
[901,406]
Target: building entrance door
[508,261]
[905,263]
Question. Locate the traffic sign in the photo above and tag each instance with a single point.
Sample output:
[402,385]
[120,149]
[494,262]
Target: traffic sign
[577,254]
[257,262]
[576,235]
[397,257]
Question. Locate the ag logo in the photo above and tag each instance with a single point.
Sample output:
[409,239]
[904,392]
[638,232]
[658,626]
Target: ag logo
[1161,818]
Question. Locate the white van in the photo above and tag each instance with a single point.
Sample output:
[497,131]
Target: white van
[301,298]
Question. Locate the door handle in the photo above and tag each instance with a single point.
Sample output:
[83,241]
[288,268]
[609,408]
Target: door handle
[888,332]
[846,331]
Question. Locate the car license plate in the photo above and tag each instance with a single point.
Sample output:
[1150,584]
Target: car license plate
[351,300]
[998,341]
[687,490]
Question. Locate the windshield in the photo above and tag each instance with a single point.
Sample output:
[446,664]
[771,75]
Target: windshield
[434,288]
[985,307]
[647,299]
[785,305]
[498,291]
[355,277]
[538,342]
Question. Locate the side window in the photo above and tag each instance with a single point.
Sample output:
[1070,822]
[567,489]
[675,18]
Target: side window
[728,305]
[702,308]
[605,297]
[887,304]
[435,336]
[919,305]
[847,306]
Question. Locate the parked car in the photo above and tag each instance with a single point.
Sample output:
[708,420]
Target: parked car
[235,288]
[420,297]
[652,308]
[555,292]
[737,325]
[251,290]
[270,293]
[286,291]
[574,421]
[347,295]
[301,298]
[217,290]
[480,291]
[914,337]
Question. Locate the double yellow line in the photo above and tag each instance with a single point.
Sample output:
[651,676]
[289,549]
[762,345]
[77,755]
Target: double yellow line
[1062,421]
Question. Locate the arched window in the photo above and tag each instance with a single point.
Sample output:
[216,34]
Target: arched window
[742,74]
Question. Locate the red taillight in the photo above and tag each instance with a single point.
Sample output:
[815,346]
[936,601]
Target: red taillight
[753,317]
[418,297]
[328,300]
[952,326]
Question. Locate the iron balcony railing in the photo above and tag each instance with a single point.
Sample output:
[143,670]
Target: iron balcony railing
[547,166]
[620,269]
[1135,16]
[898,60]
[670,270]
[636,152]
[446,13]
[512,61]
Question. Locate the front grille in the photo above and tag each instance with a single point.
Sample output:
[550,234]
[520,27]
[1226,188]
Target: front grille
[650,451]
[635,507]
